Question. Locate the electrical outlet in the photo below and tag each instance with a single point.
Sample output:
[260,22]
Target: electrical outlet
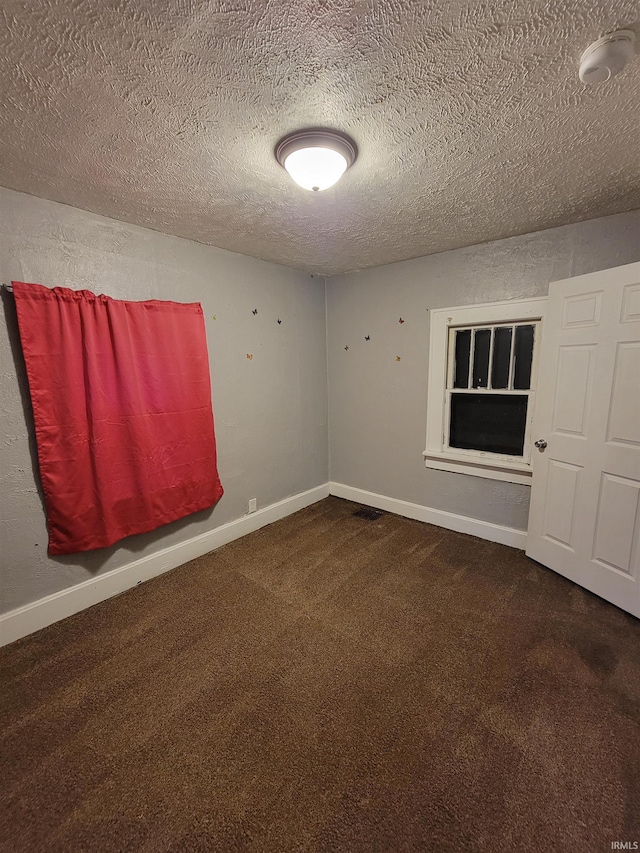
[253,505]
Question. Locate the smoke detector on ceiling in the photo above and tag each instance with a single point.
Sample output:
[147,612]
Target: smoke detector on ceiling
[606,57]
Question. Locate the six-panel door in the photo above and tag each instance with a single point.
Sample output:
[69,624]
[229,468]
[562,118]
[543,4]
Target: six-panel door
[585,500]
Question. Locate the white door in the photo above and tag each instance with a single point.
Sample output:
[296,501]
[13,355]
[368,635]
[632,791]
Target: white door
[584,520]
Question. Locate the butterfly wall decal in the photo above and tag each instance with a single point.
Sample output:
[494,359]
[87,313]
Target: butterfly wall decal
[398,358]
[255,311]
[346,349]
[250,356]
[400,320]
[279,321]
[367,337]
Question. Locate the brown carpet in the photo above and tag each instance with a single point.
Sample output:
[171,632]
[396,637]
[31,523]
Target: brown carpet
[329,684]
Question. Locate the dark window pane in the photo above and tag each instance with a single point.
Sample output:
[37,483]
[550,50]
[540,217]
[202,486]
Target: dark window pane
[501,357]
[494,423]
[463,348]
[481,358]
[523,351]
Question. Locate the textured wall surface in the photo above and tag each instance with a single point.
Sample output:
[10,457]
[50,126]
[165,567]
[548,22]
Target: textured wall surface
[377,405]
[270,411]
[471,121]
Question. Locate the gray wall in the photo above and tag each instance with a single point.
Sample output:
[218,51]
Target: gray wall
[270,412]
[377,405]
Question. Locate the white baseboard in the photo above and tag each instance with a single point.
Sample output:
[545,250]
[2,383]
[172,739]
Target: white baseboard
[459,523]
[32,617]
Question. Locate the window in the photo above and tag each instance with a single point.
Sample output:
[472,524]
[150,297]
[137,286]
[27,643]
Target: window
[481,396]
[489,388]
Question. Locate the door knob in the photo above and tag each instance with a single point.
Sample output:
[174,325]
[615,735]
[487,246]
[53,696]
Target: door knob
[541,444]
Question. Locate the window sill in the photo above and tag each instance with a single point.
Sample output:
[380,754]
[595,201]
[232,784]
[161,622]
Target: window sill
[510,472]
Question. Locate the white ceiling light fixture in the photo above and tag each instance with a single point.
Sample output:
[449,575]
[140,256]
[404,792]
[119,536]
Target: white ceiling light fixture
[606,57]
[316,158]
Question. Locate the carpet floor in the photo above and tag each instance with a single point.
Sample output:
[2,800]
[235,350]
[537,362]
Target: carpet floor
[329,683]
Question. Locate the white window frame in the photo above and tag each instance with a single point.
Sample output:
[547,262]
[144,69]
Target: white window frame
[475,462]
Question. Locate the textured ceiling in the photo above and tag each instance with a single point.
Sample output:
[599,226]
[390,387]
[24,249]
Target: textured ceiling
[470,118]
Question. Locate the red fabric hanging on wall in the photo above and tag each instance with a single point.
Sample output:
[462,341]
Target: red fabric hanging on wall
[121,400]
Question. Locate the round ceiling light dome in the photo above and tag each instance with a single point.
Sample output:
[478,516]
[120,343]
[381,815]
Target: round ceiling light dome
[316,158]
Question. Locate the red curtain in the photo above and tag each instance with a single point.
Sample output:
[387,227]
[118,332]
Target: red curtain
[122,408]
